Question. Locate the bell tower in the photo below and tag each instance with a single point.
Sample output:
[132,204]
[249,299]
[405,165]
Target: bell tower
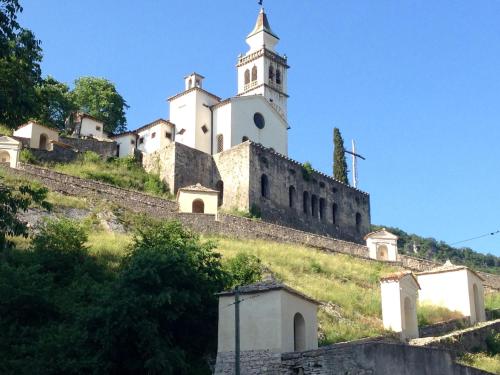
[262,71]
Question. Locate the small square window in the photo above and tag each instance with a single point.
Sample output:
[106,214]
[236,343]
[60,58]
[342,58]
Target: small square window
[141,140]
[182,131]
[153,135]
[132,142]
[205,129]
[98,128]
[168,135]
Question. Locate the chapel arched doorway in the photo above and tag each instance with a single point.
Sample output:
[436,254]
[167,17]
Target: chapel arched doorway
[198,206]
[4,157]
[42,145]
[299,333]
[382,252]
[477,303]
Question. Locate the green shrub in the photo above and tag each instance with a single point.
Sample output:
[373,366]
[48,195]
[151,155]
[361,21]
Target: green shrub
[307,171]
[493,343]
[91,157]
[26,156]
[244,269]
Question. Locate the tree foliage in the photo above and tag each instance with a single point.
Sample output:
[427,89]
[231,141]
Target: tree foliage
[244,269]
[13,201]
[54,103]
[339,162]
[99,98]
[20,73]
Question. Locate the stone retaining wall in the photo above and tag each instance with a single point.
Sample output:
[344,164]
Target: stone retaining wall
[440,329]
[369,358]
[467,340]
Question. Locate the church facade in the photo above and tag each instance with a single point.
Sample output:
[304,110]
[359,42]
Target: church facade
[239,146]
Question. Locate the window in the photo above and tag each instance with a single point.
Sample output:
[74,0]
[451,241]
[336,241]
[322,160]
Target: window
[244,138]
[259,120]
[182,131]
[305,202]
[264,186]
[358,222]
[247,77]
[220,187]
[132,142]
[271,73]
[190,83]
[314,205]
[98,128]
[220,142]
[153,135]
[334,213]
[141,140]
[322,208]
[204,129]
[198,206]
[254,73]
[118,150]
[292,196]
[168,135]
[278,76]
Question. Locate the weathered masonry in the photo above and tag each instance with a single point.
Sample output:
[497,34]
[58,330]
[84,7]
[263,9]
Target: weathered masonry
[254,178]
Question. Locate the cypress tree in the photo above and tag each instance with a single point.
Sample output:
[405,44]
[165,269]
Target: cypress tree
[339,162]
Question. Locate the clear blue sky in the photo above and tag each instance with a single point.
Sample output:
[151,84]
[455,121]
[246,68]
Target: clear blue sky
[415,83]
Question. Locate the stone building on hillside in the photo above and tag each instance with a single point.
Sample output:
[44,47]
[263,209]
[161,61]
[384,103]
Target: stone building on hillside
[239,146]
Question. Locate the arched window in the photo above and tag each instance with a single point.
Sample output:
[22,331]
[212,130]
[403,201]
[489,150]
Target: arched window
[190,83]
[42,145]
[271,73]
[264,186]
[247,77]
[299,333]
[278,76]
[305,202]
[220,187]
[4,157]
[198,206]
[358,222]
[244,138]
[314,205]
[254,73]
[292,196]
[335,209]
[322,208]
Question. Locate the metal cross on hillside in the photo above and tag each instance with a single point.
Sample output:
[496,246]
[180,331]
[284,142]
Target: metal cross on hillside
[354,163]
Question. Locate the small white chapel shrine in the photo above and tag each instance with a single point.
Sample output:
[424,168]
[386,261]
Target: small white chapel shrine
[458,288]
[399,304]
[198,199]
[382,245]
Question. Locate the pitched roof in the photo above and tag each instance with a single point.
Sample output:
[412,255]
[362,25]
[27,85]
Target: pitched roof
[449,267]
[83,115]
[194,89]
[262,24]
[129,132]
[198,187]
[380,231]
[266,286]
[37,124]
[151,124]
[397,276]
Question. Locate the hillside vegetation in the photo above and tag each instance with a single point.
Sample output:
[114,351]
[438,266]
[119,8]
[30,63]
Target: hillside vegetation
[439,251]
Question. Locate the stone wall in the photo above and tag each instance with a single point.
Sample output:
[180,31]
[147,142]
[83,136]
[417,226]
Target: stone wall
[306,200]
[440,329]
[57,155]
[365,358]
[104,148]
[466,340]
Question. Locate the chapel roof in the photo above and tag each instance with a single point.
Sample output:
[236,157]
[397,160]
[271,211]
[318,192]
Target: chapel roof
[151,124]
[262,24]
[37,124]
[382,231]
[266,286]
[397,276]
[448,267]
[198,187]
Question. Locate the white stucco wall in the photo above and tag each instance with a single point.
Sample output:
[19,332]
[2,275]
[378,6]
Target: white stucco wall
[455,291]
[33,131]
[191,112]
[185,201]
[9,151]
[266,321]
[91,128]
[154,137]
[127,143]
[394,293]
